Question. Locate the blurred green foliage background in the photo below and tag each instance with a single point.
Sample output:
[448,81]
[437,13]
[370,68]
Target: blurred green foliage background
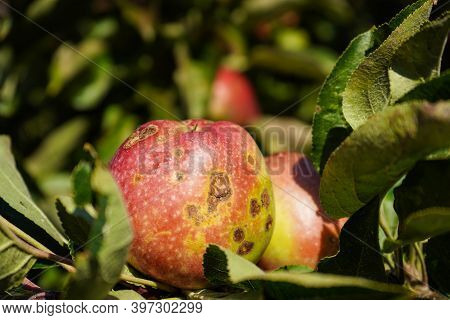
[76,71]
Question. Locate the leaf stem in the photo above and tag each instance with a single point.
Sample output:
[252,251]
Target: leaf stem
[422,262]
[26,243]
[150,283]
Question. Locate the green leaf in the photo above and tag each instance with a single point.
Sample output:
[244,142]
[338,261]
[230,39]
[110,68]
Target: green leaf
[419,58]
[359,253]
[14,263]
[222,266]
[389,218]
[15,193]
[422,201]
[193,79]
[75,220]
[124,295]
[81,177]
[379,152]
[94,87]
[437,258]
[367,91]
[100,266]
[434,90]
[311,63]
[51,154]
[61,72]
[329,126]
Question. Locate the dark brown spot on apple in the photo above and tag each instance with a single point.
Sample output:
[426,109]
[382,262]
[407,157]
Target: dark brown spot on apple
[269,223]
[194,214]
[219,190]
[140,135]
[179,176]
[250,160]
[238,235]
[147,132]
[245,248]
[137,178]
[255,208]
[265,199]
[178,153]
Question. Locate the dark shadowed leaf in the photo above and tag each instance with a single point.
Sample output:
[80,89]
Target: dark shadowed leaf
[15,193]
[359,253]
[422,201]
[437,258]
[75,220]
[433,90]
[379,152]
[367,91]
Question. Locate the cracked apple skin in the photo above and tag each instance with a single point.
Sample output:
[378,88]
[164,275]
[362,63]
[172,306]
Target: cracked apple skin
[186,185]
[303,233]
[233,98]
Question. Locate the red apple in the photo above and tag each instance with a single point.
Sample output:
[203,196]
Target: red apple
[233,98]
[186,185]
[303,233]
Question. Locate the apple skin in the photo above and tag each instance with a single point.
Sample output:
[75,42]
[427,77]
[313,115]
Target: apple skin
[303,233]
[233,98]
[188,184]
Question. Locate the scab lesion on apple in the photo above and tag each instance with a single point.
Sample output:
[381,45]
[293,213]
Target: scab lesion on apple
[186,189]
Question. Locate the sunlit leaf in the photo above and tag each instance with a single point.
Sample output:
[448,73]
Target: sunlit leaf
[379,152]
[367,91]
[15,193]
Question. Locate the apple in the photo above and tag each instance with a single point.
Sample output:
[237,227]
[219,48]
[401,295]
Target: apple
[303,233]
[188,184]
[233,98]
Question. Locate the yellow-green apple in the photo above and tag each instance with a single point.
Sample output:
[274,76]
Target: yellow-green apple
[188,184]
[303,233]
[233,98]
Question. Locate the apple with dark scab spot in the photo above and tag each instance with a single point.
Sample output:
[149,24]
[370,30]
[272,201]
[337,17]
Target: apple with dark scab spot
[188,184]
[303,233]
[233,98]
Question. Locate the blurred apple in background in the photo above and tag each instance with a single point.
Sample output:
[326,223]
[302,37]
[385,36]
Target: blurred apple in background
[233,98]
[303,233]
